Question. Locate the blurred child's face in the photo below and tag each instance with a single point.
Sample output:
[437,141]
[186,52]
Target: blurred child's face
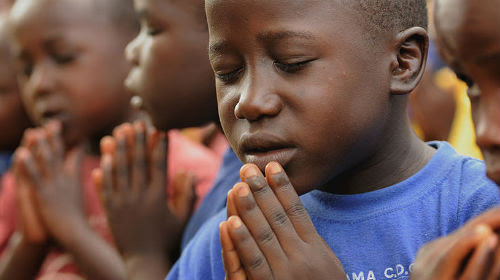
[171,71]
[13,119]
[71,66]
[298,84]
[469,37]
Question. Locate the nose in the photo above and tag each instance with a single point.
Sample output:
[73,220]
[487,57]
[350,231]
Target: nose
[42,79]
[487,122]
[258,98]
[132,50]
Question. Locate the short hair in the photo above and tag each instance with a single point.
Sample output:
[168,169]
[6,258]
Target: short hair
[391,15]
[120,12]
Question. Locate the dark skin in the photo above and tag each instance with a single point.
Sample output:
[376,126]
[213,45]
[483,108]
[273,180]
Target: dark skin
[59,50]
[13,118]
[273,81]
[172,74]
[269,234]
[171,71]
[56,51]
[133,174]
[468,35]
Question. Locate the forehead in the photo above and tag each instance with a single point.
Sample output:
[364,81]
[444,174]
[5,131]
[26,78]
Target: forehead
[229,19]
[468,29]
[55,13]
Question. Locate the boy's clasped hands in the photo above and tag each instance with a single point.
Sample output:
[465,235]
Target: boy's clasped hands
[49,192]
[269,234]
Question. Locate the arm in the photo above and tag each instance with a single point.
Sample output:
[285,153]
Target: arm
[22,259]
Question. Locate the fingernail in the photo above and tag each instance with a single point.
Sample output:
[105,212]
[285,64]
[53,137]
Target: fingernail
[274,168]
[492,242]
[242,190]
[250,171]
[235,222]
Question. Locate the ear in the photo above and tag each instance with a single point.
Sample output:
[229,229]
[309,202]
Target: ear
[409,59]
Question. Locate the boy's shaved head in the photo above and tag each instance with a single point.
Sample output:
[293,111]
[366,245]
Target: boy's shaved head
[391,15]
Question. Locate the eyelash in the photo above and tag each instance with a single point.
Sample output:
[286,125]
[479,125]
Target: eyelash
[292,67]
[285,67]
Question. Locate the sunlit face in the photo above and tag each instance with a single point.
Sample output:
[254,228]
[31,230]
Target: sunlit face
[298,84]
[469,37]
[170,70]
[71,66]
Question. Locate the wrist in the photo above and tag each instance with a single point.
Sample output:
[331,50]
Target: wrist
[74,234]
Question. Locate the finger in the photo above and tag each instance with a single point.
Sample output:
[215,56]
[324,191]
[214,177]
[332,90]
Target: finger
[183,195]
[108,145]
[481,260]
[462,244]
[40,151]
[252,259]
[32,226]
[54,135]
[495,270]
[121,164]
[139,167]
[289,199]
[97,181]
[128,130]
[73,163]
[159,164]
[230,259]
[28,138]
[259,227]
[270,206]
[490,218]
[107,178]
[231,209]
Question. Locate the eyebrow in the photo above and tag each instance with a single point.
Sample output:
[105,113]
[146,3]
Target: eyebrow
[264,37]
[280,35]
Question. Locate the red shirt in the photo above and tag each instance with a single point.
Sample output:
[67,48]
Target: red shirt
[183,155]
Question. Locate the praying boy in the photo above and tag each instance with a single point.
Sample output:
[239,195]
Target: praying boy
[315,95]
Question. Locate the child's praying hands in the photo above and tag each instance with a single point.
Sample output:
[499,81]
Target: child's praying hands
[269,234]
[132,181]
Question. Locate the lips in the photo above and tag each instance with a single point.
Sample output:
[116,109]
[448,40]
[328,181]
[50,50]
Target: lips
[262,148]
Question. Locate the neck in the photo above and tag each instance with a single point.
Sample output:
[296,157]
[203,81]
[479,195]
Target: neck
[399,156]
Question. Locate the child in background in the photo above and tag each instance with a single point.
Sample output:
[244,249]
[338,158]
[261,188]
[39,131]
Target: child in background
[71,71]
[468,34]
[320,91]
[172,74]
[13,118]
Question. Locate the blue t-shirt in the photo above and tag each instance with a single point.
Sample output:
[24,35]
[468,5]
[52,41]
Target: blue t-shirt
[376,235]
[5,161]
[215,200]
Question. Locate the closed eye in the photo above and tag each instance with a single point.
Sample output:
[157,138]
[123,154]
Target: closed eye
[229,77]
[292,67]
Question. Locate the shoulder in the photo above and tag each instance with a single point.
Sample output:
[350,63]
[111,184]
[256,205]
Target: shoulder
[202,257]
[466,178]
